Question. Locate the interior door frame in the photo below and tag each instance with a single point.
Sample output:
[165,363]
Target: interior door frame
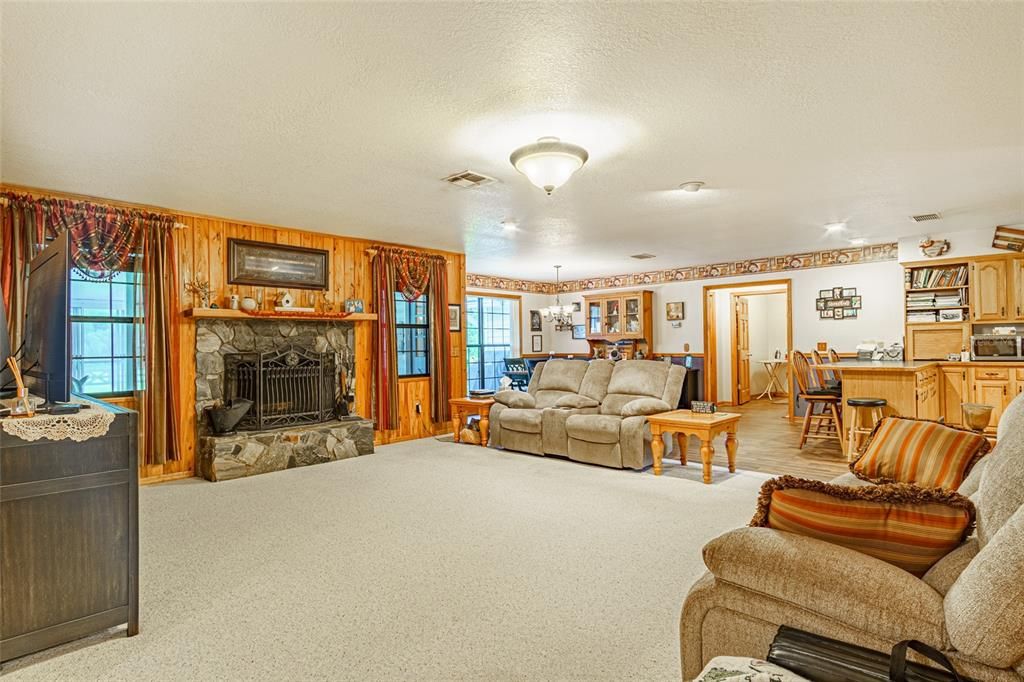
[711,334]
[733,341]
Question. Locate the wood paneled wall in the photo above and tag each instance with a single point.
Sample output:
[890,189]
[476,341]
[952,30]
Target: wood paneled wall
[202,252]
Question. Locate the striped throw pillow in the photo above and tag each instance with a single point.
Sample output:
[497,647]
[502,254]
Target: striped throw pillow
[901,524]
[924,453]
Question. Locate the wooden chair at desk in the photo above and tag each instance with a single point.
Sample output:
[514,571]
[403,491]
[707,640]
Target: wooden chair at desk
[826,421]
[829,378]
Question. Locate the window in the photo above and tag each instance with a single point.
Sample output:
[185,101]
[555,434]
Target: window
[107,350]
[412,334]
[490,335]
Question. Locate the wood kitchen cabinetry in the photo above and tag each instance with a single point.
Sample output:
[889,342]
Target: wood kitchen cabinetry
[927,393]
[955,389]
[989,286]
[993,386]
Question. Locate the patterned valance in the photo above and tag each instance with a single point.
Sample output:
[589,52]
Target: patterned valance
[412,269]
[104,239]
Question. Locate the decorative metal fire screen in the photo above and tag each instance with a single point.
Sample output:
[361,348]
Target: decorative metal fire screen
[287,387]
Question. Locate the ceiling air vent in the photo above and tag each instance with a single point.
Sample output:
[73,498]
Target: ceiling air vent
[924,217]
[642,256]
[468,178]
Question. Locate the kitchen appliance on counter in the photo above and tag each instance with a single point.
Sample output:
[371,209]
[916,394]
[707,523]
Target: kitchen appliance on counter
[1001,347]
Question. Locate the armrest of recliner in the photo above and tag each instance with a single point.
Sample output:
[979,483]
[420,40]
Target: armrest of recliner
[833,581]
[515,399]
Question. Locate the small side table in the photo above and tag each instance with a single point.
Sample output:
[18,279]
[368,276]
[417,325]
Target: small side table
[684,423]
[772,368]
[468,406]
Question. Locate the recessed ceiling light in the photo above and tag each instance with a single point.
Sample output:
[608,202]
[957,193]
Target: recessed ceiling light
[691,186]
[835,227]
[859,241]
[509,225]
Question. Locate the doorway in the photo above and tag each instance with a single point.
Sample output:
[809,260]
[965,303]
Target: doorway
[747,339]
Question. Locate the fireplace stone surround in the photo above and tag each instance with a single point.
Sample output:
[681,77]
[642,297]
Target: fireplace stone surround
[247,453]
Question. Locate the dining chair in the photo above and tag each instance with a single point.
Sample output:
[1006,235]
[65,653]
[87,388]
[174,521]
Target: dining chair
[824,404]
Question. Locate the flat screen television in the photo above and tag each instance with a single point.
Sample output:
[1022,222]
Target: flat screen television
[46,355]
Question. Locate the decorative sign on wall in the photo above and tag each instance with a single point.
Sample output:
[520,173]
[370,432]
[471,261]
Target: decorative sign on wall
[837,303]
[1009,238]
[933,248]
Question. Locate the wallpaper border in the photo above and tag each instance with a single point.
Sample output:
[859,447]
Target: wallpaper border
[874,253]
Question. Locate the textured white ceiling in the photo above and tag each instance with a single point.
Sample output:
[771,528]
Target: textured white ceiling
[342,118]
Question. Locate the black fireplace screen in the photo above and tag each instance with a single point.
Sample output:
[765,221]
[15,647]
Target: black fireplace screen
[287,387]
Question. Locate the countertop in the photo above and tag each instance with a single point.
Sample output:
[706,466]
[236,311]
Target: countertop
[909,365]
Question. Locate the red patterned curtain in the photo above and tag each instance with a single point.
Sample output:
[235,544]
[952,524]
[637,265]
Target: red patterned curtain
[412,273]
[104,241]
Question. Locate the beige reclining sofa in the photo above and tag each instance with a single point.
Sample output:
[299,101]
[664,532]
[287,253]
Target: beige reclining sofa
[578,409]
[969,605]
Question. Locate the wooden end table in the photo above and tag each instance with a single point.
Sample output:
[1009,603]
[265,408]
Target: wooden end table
[684,423]
[468,406]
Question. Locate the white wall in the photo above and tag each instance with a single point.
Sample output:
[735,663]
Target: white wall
[880,286]
[767,315]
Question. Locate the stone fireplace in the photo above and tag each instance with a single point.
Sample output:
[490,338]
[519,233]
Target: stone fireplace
[297,373]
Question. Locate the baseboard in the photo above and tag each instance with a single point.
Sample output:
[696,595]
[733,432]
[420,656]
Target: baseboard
[164,478]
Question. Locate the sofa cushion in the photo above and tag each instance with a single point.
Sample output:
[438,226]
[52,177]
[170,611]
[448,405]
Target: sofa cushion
[593,428]
[516,399]
[924,453]
[945,572]
[614,402]
[595,381]
[641,407]
[639,378]
[562,375]
[1001,490]
[576,401]
[548,398]
[524,421]
[985,606]
[907,526]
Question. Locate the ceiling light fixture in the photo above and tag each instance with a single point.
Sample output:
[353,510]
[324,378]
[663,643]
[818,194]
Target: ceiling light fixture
[835,227]
[560,314]
[509,225]
[692,186]
[549,163]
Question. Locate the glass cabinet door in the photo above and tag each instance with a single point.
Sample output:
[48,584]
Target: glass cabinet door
[612,316]
[593,318]
[632,321]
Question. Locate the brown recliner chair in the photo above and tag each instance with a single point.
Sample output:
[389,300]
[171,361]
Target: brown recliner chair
[970,605]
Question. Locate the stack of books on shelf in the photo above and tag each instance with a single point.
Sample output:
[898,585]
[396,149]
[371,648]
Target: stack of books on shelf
[935,278]
[915,317]
[924,299]
[951,299]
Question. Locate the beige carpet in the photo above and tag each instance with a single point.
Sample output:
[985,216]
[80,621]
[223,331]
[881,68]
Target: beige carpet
[425,561]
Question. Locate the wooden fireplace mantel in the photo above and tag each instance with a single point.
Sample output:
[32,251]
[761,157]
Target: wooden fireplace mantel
[229,314]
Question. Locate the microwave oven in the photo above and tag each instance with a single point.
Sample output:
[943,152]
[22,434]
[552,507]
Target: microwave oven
[996,347]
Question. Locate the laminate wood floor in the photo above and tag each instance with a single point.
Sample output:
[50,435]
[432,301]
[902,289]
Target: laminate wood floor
[768,444]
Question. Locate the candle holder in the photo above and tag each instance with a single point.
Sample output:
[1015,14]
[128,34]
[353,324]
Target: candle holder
[976,415]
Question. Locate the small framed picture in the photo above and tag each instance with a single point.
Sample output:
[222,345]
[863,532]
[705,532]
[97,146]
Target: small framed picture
[826,314]
[674,310]
[579,331]
[454,317]
[353,305]
[577,306]
[855,301]
[849,312]
[837,292]
[535,321]
[849,292]
[819,304]
[537,345]
[824,293]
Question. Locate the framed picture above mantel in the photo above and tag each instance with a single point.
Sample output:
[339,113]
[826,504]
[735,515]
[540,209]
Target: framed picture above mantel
[277,265]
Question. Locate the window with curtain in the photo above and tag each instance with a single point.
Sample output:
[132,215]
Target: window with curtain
[412,336]
[490,337]
[107,347]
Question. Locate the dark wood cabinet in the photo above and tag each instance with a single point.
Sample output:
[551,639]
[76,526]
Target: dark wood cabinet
[69,536]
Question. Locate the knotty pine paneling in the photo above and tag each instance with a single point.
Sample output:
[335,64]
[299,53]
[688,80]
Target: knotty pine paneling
[202,249]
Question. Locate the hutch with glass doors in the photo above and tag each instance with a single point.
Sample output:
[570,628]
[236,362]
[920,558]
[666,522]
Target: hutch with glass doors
[622,320]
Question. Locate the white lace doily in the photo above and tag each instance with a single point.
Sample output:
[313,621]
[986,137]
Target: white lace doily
[77,427]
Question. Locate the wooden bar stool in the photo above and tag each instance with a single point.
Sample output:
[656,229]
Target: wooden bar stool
[862,407]
[823,404]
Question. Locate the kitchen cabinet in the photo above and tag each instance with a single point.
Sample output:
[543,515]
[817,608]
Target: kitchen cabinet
[927,393]
[954,390]
[991,386]
[619,317]
[1017,288]
[989,300]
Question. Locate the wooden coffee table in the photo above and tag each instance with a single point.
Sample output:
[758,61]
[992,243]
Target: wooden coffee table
[685,423]
[468,406]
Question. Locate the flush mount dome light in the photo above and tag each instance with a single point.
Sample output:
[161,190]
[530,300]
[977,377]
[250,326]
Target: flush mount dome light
[549,163]
[692,186]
